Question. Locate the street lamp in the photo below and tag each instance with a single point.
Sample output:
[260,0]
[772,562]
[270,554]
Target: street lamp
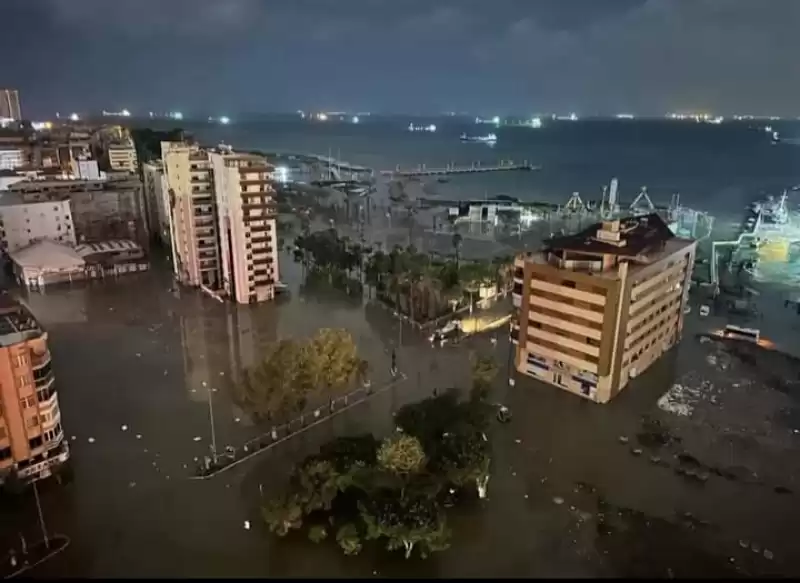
[41,516]
[510,350]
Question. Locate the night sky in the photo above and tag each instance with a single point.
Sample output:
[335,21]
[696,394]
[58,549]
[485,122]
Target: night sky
[410,56]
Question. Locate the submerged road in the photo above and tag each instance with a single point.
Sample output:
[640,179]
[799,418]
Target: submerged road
[566,497]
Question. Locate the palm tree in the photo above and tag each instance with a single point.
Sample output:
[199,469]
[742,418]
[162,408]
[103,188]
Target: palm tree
[457,239]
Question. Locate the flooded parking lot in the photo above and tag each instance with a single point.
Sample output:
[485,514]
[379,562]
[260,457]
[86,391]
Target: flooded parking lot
[577,489]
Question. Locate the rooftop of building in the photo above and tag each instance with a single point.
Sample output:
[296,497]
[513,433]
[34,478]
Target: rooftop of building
[17,324]
[113,245]
[13,198]
[631,237]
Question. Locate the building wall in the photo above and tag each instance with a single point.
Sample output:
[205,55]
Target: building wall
[591,333]
[156,199]
[11,159]
[85,169]
[123,158]
[247,226]
[24,223]
[30,419]
[9,104]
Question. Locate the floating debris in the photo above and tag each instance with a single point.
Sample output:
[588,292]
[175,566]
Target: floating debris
[205,384]
[198,438]
[744,544]
[131,484]
[558,500]
[623,439]
[124,428]
[517,441]
[73,438]
[768,555]
[90,440]
[247,525]
[237,420]
[138,355]
[138,436]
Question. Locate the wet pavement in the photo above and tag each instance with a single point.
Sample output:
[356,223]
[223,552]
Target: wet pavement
[569,493]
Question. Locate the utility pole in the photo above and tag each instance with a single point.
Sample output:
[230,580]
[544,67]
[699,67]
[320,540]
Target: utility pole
[41,516]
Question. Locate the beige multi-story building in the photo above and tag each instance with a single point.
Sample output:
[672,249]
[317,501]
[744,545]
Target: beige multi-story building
[122,156]
[9,105]
[597,308]
[32,444]
[247,227]
[192,215]
[222,220]
[23,223]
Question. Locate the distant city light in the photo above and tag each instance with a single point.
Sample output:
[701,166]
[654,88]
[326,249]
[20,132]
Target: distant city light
[41,125]
[282,174]
[322,117]
[224,120]
[573,117]
[74,117]
[625,116]
[496,120]
[536,123]
[176,115]
[125,113]
[432,128]
[355,119]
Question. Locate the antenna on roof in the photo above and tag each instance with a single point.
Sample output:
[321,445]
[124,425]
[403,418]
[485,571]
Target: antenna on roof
[642,196]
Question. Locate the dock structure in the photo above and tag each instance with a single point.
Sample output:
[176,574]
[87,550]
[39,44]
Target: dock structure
[450,169]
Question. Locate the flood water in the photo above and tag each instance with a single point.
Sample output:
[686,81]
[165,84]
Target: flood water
[566,497]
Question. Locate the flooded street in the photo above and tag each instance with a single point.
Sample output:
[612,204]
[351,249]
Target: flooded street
[576,488]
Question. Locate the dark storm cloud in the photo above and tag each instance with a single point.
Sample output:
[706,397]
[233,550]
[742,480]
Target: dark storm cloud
[488,55]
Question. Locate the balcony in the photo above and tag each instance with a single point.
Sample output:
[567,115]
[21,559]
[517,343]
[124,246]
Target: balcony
[42,376]
[39,360]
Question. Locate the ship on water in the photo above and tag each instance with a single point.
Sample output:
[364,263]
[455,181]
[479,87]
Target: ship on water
[490,139]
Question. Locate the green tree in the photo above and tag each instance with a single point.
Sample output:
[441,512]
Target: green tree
[279,384]
[402,455]
[484,371]
[333,361]
[283,514]
[456,241]
[348,539]
[413,522]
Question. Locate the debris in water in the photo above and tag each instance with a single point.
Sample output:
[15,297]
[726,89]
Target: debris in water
[205,384]
[558,500]
[73,438]
[237,420]
[131,484]
[247,525]
[526,496]
[221,373]
[636,451]
[517,441]
[138,355]
[623,439]
[138,436]
[124,428]
[744,544]
[90,440]
[198,438]
[768,555]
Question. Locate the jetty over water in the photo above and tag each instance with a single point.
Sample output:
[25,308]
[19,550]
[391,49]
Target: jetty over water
[450,169]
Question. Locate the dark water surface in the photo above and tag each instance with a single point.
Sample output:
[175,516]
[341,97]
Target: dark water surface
[134,352]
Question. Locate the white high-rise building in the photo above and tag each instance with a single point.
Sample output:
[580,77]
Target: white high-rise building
[23,223]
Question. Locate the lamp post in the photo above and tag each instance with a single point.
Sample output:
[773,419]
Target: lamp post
[41,516]
[510,351]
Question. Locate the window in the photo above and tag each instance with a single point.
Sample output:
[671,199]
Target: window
[33,422]
[35,442]
[5,453]
[28,402]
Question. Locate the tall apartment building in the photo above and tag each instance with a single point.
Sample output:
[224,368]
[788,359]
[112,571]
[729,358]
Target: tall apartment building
[222,221]
[156,199]
[247,227]
[192,215]
[32,443]
[23,223]
[598,308]
[9,105]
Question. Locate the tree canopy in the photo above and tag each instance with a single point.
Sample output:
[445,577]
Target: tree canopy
[291,372]
[391,491]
